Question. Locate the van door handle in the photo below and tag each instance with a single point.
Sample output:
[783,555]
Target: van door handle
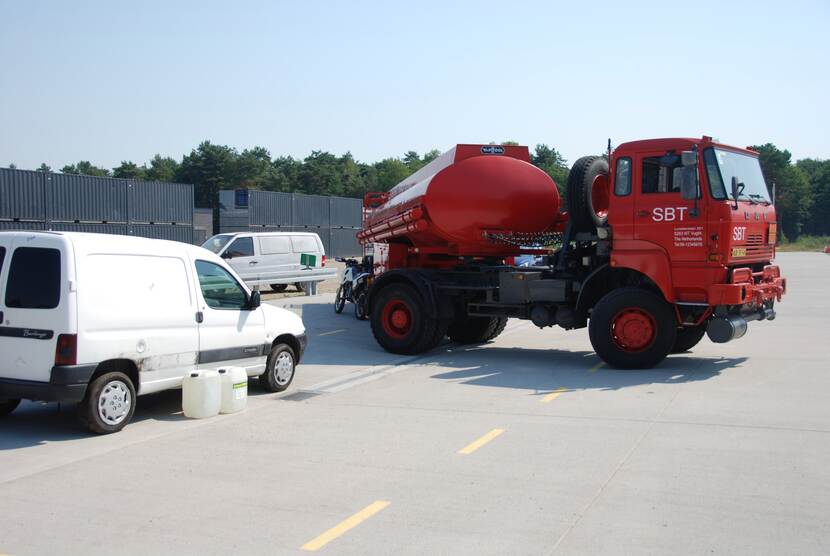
[254,262]
[200,317]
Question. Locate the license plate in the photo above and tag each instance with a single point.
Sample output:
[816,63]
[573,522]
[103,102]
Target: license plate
[739,251]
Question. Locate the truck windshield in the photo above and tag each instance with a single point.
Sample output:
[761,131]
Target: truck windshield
[722,165]
[216,243]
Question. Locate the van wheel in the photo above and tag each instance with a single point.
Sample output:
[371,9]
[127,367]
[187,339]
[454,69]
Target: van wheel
[687,338]
[279,288]
[7,406]
[299,286]
[279,370]
[109,403]
[632,328]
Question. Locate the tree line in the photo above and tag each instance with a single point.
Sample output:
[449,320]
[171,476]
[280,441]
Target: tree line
[802,187]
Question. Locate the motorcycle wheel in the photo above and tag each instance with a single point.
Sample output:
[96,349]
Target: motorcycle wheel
[360,307]
[339,300]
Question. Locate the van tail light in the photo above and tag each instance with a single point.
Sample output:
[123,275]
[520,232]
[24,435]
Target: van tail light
[66,351]
[324,260]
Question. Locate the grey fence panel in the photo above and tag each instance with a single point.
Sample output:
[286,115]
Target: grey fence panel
[90,228]
[346,213]
[270,208]
[22,194]
[344,243]
[311,210]
[170,232]
[22,225]
[231,220]
[160,202]
[87,198]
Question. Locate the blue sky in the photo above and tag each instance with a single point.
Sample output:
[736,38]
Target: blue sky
[108,81]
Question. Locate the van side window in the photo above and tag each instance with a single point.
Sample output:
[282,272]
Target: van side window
[2,256]
[304,244]
[219,288]
[34,279]
[622,181]
[241,247]
[274,245]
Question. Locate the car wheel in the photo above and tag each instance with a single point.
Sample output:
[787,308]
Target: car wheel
[280,368]
[109,403]
[7,406]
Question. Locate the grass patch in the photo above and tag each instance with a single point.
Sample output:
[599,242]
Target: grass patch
[805,243]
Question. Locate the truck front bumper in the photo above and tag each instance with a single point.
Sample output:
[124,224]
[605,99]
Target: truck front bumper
[749,287]
[66,384]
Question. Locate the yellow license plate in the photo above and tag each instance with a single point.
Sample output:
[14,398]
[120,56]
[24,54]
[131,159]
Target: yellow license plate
[773,233]
[739,251]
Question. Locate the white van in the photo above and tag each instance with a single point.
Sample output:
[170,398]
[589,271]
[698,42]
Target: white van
[273,258]
[99,319]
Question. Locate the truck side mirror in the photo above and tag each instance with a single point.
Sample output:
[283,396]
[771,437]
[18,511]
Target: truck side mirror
[688,183]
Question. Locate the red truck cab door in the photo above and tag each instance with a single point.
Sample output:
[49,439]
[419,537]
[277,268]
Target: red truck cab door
[661,215]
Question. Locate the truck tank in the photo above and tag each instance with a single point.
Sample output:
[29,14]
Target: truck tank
[473,200]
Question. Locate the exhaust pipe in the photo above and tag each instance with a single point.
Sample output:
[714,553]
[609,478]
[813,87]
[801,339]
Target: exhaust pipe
[725,329]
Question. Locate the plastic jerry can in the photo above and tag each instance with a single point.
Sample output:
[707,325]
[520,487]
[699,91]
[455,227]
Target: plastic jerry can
[201,394]
[234,389]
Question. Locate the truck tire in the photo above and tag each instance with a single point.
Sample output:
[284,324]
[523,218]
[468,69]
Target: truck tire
[400,322]
[7,406]
[474,330]
[687,338]
[632,328]
[109,403]
[279,288]
[279,369]
[588,193]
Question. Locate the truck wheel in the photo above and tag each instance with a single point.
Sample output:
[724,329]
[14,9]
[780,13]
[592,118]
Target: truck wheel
[474,330]
[588,193]
[279,288]
[279,369]
[7,406]
[631,328]
[109,403]
[400,323]
[339,300]
[687,338]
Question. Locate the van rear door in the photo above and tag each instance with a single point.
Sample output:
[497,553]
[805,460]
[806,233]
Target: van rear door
[35,305]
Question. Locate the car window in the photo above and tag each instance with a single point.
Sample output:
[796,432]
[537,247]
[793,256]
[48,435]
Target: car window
[274,245]
[304,244]
[34,278]
[241,247]
[219,288]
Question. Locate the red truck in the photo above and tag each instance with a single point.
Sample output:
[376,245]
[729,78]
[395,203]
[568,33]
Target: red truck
[663,241]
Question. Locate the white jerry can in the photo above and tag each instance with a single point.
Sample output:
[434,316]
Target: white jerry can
[201,394]
[234,389]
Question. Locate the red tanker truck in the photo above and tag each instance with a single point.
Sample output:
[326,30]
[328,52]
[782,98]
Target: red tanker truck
[663,241]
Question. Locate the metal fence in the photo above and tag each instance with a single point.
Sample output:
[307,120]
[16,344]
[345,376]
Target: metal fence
[66,202]
[335,219]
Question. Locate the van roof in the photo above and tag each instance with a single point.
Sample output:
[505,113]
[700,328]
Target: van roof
[273,233]
[97,242]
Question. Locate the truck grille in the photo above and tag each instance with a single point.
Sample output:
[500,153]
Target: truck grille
[757,247]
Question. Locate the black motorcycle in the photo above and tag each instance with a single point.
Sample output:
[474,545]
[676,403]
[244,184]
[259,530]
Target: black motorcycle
[354,286]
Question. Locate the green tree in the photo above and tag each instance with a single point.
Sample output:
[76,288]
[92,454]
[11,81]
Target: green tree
[553,163]
[12,166]
[162,168]
[129,170]
[44,167]
[818,176]
[792,190]
[253,168]
[210,168]
[283,175]
[390,172]
[85,168]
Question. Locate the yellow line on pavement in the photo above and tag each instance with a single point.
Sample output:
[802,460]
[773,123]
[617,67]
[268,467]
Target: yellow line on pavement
[332,332]
[344,526]
[553,395]
[472,447]
[596,367]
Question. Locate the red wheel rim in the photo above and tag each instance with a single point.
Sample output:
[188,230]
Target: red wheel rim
[599,195]
[633,330]
[396,318]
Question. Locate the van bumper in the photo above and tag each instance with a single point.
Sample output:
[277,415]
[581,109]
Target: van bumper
[67,384]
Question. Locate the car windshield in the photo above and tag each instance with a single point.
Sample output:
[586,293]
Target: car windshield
[217,243]
[722,166]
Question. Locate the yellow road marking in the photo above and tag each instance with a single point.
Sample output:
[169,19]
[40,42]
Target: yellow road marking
[332,332]
[596,367]
[342,527]
[553,395]
[472,447]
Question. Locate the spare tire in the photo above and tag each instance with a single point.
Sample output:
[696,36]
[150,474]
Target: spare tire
[588,193]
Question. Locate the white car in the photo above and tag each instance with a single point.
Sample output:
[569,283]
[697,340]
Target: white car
[273,258]
[100,319]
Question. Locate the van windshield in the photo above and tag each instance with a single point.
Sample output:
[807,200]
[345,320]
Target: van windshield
[217,243]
